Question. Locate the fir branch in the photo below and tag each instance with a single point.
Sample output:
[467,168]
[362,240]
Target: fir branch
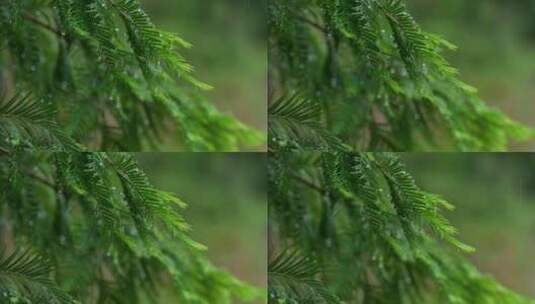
[26,276]
[141,82]
[107,230]
[380,83]
[25,120]
[374,235]
[295,122]
[293,277]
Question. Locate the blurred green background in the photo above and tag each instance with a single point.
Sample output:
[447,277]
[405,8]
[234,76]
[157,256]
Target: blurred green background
[496,40]
[227,205]
[494,195]
[229,50]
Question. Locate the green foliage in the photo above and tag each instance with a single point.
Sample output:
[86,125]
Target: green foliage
[362,231]
[29,124]
[109,235]
[113,79]
[376,80]
[294,125]
[25,277]
[294,278]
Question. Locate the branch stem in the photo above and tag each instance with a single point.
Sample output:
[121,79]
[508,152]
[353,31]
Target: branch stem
[308,183]
[40,179]
[43,24]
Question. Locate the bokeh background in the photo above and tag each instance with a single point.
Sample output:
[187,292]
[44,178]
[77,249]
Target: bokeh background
[494,195]
[496,54]
[227,205]
[229,50]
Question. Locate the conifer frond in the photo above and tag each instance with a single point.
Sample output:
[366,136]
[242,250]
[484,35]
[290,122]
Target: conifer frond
[382,82]
[117,81]
[26,276]
[295,122]
[29,123]
[411,203]
[97,181]
[108,230]
[147,204]
[375,235]
[295,278]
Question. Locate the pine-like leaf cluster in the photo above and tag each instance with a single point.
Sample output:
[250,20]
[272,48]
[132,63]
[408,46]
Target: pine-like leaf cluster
[110,79]
[373,79]
[28,124]
[100,232]
[356,228]
[25,278]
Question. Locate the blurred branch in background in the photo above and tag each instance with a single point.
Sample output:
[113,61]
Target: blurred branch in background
[496,40]
[227,205]
[229,49]
[495,199]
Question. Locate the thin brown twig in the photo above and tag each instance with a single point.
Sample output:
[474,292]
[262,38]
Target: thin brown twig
[43,24]
[309,22]
[308,183]
[312,23]
[32,174]
[41,179]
